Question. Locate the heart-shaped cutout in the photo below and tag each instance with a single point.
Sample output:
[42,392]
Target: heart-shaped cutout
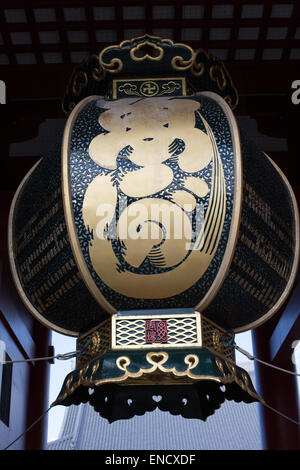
[157,398]
[157,357]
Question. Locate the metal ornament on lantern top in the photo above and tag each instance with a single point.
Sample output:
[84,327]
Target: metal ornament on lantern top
[153,233]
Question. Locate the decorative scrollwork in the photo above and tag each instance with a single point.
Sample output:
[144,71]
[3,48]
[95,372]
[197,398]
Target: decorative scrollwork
[98,74]
[198,66]
[148,56]
[129,89]
[179,64]
[95,368]
[83,371]
[155,367]
[232,368]
[220,366]
[146,48]
[83,77]
[80,81]
[217,74]
[157,359]
[191,360]
[122,362]
[114,66]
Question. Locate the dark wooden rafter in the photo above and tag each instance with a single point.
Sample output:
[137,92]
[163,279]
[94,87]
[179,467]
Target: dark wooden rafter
[63,35]
[148,17]
[119,24]
[293,24]
[263,31]
[91,29]
[178,23]
[264,86]
[44,83]
[118,13]
[204,25]
[7,40]
[234,31]
[34,35]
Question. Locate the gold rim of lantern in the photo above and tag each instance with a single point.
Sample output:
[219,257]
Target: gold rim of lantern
[237,203]
[234,228]
[235,222]
[68,208]
[286,292]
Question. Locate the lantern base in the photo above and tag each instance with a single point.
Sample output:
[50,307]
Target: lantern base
[192,383]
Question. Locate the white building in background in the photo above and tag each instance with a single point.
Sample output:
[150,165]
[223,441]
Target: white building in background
[235,426]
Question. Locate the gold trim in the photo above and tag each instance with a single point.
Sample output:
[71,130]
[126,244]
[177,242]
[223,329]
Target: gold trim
[294,270]
[227,98]
[215,69]
[159,375]
[99,342]
[80,81]
[116,65]
[207,334]
[237,204]
[146,56]
[234,229]
[13,268]
[158,359]
[68,208]
[218,346]
[93,330]
[136,92]
[236,220]
[198,69]
[98,75]
[183,64]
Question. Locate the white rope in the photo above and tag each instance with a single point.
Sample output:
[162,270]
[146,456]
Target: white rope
[72,354]
[45,412]
[28,429]
[251,357]
[61,357]
[281,414]
[262,400]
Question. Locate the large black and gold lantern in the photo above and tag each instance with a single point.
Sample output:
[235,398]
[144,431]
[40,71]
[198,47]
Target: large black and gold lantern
[153,232]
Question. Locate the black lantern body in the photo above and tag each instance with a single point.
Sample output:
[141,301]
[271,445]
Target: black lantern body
[153,233]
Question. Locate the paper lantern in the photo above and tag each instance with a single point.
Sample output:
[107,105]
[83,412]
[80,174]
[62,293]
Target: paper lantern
[153,231]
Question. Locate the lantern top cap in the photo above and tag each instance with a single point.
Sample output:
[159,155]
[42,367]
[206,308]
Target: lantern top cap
[145,57]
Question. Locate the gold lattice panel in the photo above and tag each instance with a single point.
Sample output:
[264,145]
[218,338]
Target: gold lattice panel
[166,331]
[214,337]
[94,343]
[130,332]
